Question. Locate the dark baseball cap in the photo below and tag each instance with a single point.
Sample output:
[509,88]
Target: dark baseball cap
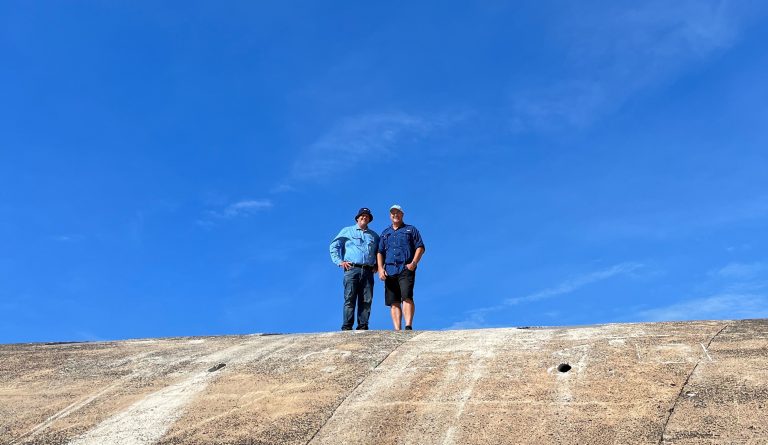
[364,211]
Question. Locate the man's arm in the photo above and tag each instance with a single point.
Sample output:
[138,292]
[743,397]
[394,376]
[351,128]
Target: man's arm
[416,258]
[376,241]
[337,246]
[418,243]
[380,261]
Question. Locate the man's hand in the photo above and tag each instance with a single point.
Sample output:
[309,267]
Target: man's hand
[382,274]
[346,265]
[410,266]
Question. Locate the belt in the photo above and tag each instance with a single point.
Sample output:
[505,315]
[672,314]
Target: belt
[364,266]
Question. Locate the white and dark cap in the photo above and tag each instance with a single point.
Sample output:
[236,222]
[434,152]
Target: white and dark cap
[396,207]
[364,211]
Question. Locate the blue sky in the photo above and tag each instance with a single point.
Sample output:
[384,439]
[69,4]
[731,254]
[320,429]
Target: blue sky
[180,168]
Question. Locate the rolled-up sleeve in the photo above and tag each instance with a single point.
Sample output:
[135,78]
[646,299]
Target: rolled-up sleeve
[382,244]
[376,245]
[417,241]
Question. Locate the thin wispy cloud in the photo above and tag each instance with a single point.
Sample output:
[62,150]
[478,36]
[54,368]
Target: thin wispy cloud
[282,188]
[357,140]
[68,238]
[246,207]
[744,247]
[715,307]
[740,278]
[736,290]
[743,270]
[618,50]
[476,318]
[683,221]
[575,283]
[237,209]
[352,140]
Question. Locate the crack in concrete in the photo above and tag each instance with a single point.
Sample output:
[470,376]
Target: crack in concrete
[357,386]
[685,383]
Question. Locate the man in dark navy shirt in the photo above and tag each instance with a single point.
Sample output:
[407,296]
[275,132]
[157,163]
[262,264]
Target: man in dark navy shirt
[400,250]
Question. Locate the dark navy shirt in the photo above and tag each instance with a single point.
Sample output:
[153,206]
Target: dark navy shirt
[398,247]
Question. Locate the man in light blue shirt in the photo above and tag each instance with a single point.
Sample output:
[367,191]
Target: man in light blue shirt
[354,250]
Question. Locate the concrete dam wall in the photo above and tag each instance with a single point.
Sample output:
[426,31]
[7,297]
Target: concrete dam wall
[657,383]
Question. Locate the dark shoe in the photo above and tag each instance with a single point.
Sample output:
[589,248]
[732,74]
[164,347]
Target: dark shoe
[346,328]
[362,328]
[408,328]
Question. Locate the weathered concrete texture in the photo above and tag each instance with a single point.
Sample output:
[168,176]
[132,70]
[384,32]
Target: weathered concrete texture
[663,383]
[726,397]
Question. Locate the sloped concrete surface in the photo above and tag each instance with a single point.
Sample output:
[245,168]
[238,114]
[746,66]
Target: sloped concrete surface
[661,383]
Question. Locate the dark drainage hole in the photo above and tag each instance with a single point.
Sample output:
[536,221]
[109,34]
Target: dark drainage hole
[217,367]
[564,367]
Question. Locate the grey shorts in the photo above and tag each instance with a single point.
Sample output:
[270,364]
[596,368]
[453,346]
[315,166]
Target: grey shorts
[398,288]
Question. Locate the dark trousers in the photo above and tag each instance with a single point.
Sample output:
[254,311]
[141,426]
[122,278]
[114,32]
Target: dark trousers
[358,289]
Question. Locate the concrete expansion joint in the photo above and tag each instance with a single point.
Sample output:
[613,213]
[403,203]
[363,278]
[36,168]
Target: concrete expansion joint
[350,393]
[685,383]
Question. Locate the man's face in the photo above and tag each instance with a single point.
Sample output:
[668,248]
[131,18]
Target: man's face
[396,216]
[363,220]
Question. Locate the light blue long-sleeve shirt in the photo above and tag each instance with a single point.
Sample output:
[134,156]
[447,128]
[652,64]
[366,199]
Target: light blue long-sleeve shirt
[355,245]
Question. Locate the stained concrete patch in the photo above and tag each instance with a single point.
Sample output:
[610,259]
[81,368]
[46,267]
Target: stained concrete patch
[147,420]
[502,386]
[286,396]
[51,394]
[662,383]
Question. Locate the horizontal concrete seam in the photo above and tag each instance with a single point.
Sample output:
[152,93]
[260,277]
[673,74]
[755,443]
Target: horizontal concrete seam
[507,403]
[682,387]
[358,385]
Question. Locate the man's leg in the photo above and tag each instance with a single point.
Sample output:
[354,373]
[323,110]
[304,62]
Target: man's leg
[406,281]
[409,308]
[392,299]
[350,294]
[365,298]
[397,315]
